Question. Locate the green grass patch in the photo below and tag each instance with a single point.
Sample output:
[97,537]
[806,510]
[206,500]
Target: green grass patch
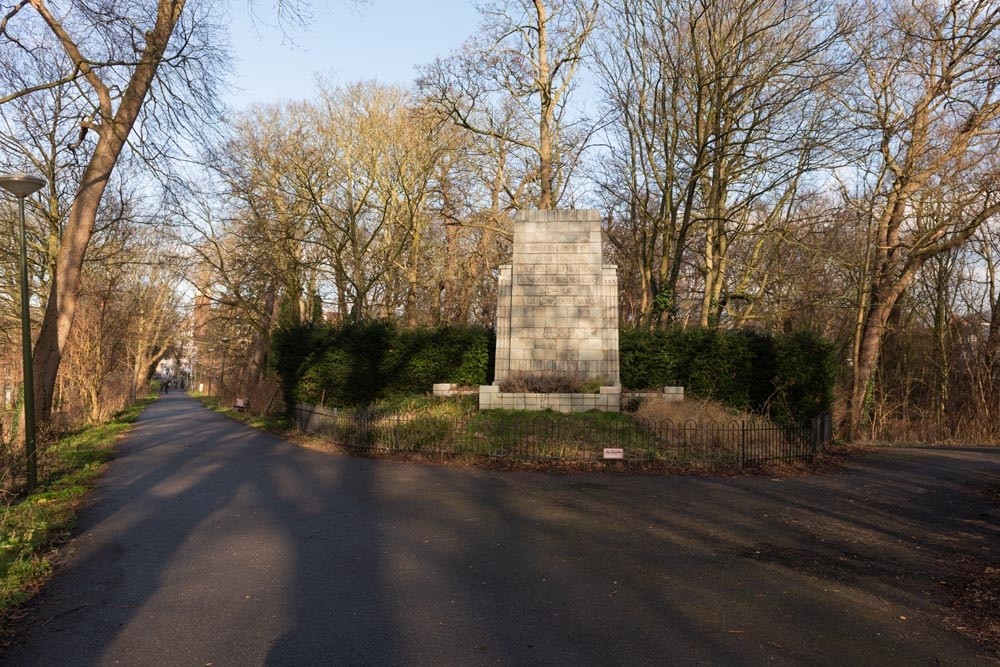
[416,424]
[549,435]
[31,525]
[454,426]
[270,422]
[455,429]
[426,406]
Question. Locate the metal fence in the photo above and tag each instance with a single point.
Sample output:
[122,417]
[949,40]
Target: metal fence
[555,438]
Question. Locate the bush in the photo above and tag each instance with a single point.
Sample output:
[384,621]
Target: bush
[804,376]
[647,358]
[421,357]
[357,364]
[559,383]
[789,377]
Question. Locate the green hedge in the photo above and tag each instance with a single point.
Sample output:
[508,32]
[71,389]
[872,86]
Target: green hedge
[355,365]
[788,376]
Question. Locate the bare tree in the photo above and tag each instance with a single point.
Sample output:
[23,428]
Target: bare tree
[520,68]
[927,101]
[128,320]
[986,246]
[419,159]
[112,56]
[717,117]
[338,199]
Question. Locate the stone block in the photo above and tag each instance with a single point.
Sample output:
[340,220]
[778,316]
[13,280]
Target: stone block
[673,394]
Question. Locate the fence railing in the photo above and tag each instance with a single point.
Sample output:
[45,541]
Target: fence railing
[546,438]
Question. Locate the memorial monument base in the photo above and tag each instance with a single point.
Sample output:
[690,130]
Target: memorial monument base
[607,400]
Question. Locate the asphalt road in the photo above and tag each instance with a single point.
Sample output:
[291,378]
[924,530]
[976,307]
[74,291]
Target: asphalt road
[208,543]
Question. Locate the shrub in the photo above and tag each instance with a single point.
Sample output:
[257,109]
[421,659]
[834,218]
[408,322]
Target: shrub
[647,358]
[547,383]
[789,377]
[421,357]
[804,377]
[357,364]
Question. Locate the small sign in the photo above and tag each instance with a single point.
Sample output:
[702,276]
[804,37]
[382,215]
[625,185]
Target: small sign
[614,453]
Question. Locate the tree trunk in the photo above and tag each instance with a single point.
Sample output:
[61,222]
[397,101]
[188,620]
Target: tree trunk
[883,302]
[65,288]
[112,132]
[993,343]
[259,348]
[546,197]
[715,272]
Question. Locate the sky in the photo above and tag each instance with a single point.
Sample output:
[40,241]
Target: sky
[380,39]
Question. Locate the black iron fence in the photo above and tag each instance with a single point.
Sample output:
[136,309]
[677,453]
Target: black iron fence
[556,438]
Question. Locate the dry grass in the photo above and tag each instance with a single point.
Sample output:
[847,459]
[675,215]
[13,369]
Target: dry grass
[707,433]
[695,410]
[550,383]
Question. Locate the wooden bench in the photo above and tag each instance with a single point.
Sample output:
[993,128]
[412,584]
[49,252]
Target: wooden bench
[240,405]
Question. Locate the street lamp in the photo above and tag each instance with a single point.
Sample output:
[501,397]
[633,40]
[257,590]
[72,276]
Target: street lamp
[21,185]
[211,369]
[222,377]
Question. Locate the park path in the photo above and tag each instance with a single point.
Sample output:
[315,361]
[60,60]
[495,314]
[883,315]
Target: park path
[209,543]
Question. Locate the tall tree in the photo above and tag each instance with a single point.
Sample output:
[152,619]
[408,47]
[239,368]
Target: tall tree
[716,119]
[253,231]
[112,55]
[926,102]
[417,163]
[521,66]
[337,199]
[127,321]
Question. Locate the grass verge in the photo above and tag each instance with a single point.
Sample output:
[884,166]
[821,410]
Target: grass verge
[454,430]
[30,526]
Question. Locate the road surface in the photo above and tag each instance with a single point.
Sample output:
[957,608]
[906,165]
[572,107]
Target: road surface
[209,543]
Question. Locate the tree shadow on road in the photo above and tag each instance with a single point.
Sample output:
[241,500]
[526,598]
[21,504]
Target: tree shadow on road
[210,542]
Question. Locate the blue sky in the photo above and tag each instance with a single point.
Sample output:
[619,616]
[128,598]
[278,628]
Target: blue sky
[383,39]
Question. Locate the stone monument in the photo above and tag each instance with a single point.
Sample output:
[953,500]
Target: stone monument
[557,312]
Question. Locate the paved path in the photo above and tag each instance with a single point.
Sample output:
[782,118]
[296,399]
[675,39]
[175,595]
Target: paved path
[208,543]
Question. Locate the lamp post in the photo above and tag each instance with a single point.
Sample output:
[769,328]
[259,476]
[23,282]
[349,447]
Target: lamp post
[22,185]
[222,377]
[211,369]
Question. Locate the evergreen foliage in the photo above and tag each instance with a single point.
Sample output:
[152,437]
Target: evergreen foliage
[357,364]
[788,376]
